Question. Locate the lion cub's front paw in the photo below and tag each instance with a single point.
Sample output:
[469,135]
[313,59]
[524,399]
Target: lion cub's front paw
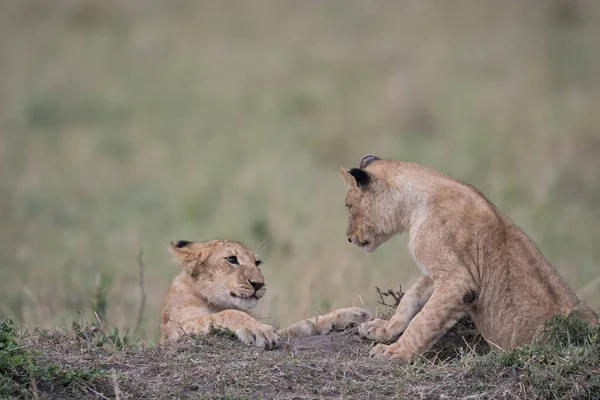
[259,335]
[376,330]
[384,352]
[345,318]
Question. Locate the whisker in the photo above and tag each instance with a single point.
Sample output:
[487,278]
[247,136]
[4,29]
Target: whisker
[257,249]
[269,293]
[261,248]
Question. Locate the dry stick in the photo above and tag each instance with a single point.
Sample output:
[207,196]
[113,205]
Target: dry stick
[100,323]
[397,296]
[116,385]
[142,290]
[33,387]
[96,393]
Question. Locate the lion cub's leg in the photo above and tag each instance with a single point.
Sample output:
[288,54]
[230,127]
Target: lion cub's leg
[246,329]
[447,305]
[412,302]
[337,320]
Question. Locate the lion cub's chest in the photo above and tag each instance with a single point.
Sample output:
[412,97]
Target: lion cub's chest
[421,266]
[414,233]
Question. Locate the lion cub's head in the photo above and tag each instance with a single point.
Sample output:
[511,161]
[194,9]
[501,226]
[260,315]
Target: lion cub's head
[223,272]
[370,211]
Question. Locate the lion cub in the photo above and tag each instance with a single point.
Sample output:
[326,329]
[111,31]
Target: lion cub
[473,259]
[219,283]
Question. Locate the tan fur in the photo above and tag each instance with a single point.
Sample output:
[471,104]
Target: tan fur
[212,292]
[474,260]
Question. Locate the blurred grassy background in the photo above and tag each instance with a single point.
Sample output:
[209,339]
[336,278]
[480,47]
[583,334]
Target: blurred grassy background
[126,124]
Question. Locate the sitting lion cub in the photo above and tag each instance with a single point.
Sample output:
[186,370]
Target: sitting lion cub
[220,281]
[474,260]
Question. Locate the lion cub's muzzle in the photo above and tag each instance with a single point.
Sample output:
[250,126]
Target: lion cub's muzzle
[251,290]
[357,242]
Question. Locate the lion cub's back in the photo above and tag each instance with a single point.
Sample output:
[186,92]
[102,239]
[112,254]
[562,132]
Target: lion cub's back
[522,291]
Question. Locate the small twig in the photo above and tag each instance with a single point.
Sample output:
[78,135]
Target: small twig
[492,344]
[142,289]
[100,323]
[97,393]
[33,387]
[361,300]
[183,330]
[397,296]
[116,385]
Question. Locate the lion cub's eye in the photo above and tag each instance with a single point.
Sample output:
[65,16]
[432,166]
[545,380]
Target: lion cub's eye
[232,260]
[258,262]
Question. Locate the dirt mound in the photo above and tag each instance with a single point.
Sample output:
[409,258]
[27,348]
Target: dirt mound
[86,362]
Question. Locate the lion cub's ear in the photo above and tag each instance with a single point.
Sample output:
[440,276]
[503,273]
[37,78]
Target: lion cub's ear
[368,159]
[346,177]
[362,177]
[180,247]
[184,250]
[180,244]
[188,256]
[356,177]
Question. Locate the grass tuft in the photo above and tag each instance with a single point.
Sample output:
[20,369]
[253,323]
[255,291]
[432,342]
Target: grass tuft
[565,332]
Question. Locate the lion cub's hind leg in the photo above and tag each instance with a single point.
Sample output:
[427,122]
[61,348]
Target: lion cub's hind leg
[337,320]
[411,303]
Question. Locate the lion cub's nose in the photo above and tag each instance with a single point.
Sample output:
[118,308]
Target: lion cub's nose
[256,285]
[349,240]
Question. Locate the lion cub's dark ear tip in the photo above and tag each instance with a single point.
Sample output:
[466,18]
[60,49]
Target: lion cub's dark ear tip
[361,176]
[368,159]
[180,243]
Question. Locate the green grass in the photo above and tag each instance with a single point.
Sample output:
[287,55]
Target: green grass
[124,125]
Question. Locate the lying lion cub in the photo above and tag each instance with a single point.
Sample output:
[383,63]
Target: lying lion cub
[220,281]
[474,260]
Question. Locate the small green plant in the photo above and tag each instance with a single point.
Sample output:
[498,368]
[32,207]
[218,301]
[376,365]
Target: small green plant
[100,300]
[570,331]
[95,335]
[220,331]
[14,364]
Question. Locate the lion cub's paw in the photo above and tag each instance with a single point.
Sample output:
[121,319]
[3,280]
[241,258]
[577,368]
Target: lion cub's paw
[259,335]
[375,330]
[384,352]
[345,318]
[378,352]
